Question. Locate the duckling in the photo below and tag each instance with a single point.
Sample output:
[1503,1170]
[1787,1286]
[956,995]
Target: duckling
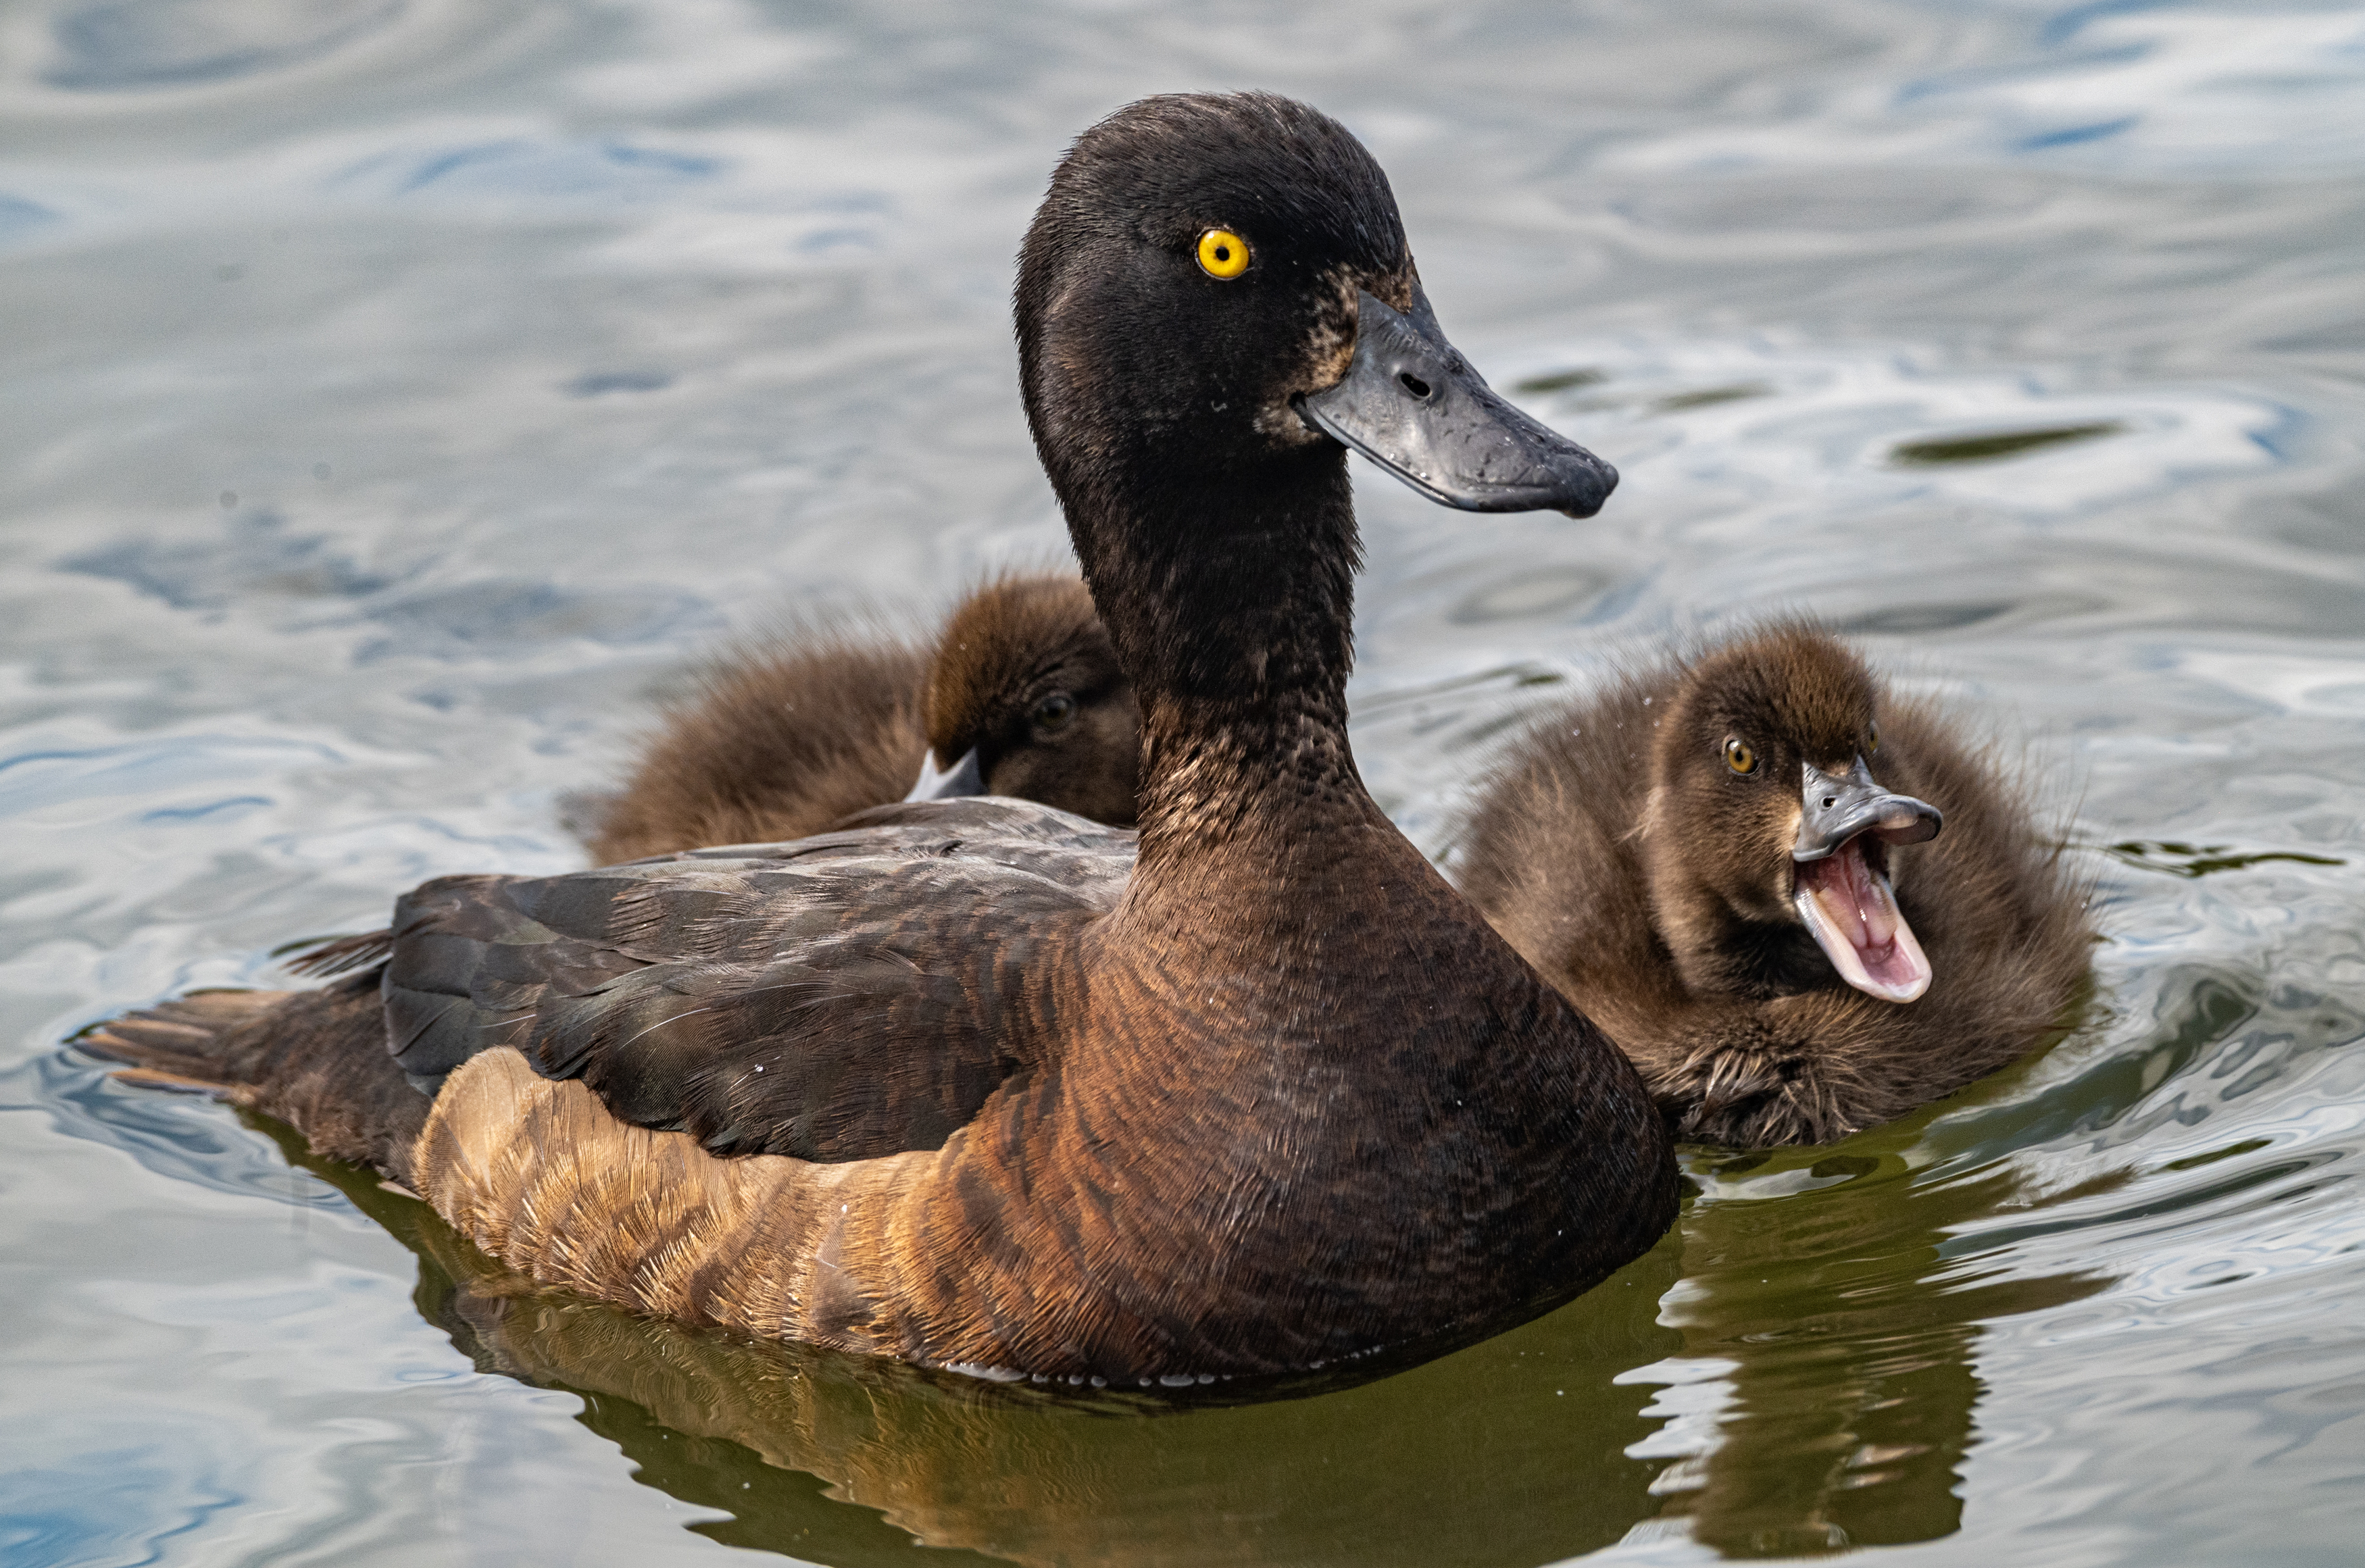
[1709,859]
[1027,698]
[974,1083]
[1020,696]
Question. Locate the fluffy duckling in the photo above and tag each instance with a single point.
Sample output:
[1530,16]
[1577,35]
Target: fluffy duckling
[978,1083]
[1021,696]
[1735,864]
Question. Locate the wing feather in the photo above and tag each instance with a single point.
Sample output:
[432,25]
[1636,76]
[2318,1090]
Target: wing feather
[834,997]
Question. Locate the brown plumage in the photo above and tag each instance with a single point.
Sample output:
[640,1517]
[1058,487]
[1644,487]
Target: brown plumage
[784,738]
[1622,849]
[970,1083]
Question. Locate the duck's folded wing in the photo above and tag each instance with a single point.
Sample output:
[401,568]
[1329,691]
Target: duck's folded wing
[836,998]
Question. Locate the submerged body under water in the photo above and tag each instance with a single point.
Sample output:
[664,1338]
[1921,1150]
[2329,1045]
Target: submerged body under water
[400,396]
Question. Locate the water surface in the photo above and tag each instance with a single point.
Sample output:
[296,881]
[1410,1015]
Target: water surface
[396,397]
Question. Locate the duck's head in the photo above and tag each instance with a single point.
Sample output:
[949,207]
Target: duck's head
[1766,824]
[1025,698]
[1217,296]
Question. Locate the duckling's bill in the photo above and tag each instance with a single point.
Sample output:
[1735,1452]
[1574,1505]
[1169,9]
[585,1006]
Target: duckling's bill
[1413,405]
[963,778]
[1842,891]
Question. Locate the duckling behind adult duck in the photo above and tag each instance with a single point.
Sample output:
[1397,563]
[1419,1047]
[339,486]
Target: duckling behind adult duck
[1701,859]
[975,1085]
[1020,696]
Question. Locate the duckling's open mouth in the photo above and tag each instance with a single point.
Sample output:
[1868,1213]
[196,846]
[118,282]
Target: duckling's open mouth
[1846,900]
[1840,871]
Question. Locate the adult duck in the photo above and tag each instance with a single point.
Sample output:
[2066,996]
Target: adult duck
[1733,864]
[1021,695]
[973,1085]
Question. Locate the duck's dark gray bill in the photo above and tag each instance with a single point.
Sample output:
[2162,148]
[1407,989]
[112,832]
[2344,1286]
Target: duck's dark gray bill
[1835,808]
[963,778]
[1413,405]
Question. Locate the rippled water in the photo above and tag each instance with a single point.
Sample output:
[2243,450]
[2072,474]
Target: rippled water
[399,394]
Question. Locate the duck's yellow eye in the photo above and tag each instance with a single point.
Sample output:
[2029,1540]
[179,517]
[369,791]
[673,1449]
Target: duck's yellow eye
[1738,757]
[1223,254]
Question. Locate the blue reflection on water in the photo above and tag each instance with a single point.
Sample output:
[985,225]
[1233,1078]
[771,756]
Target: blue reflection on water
[120,44]
[2076,134]
[522,168]
[34,779]
[106,1508]
[19,218]
[256,551]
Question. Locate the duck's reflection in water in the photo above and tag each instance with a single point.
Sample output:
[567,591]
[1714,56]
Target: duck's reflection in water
[1825,1284]
[1512,1451]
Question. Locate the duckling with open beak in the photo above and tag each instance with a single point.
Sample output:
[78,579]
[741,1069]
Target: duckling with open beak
[1708,858]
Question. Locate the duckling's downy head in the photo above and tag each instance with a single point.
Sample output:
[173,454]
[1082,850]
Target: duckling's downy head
[1025,698]
[1766,826]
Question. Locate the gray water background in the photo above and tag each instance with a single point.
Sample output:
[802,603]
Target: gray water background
[396,397]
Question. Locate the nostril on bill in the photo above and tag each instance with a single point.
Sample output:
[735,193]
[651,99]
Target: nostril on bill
[1412,384]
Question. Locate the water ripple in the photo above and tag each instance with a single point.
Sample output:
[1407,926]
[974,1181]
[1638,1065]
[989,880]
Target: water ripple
[115,45]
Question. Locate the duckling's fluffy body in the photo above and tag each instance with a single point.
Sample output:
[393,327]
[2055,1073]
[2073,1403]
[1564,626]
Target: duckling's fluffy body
[779,741]
[1620,852]
[788,737]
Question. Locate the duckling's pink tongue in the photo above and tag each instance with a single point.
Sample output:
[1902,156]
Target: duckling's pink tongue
[1854,914]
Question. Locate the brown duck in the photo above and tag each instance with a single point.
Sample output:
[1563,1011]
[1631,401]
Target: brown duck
[1021,695]
[1708,858]
[972,1085]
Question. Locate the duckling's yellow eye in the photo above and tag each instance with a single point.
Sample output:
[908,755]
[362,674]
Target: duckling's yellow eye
[1872,737]
[1738,757]
[1223,254]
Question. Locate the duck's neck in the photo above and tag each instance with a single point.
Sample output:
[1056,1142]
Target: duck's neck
[1230,602]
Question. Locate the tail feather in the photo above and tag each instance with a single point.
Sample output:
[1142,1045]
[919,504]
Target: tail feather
[172,1082]
[336,954]
[181,1038]
[316,1059]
